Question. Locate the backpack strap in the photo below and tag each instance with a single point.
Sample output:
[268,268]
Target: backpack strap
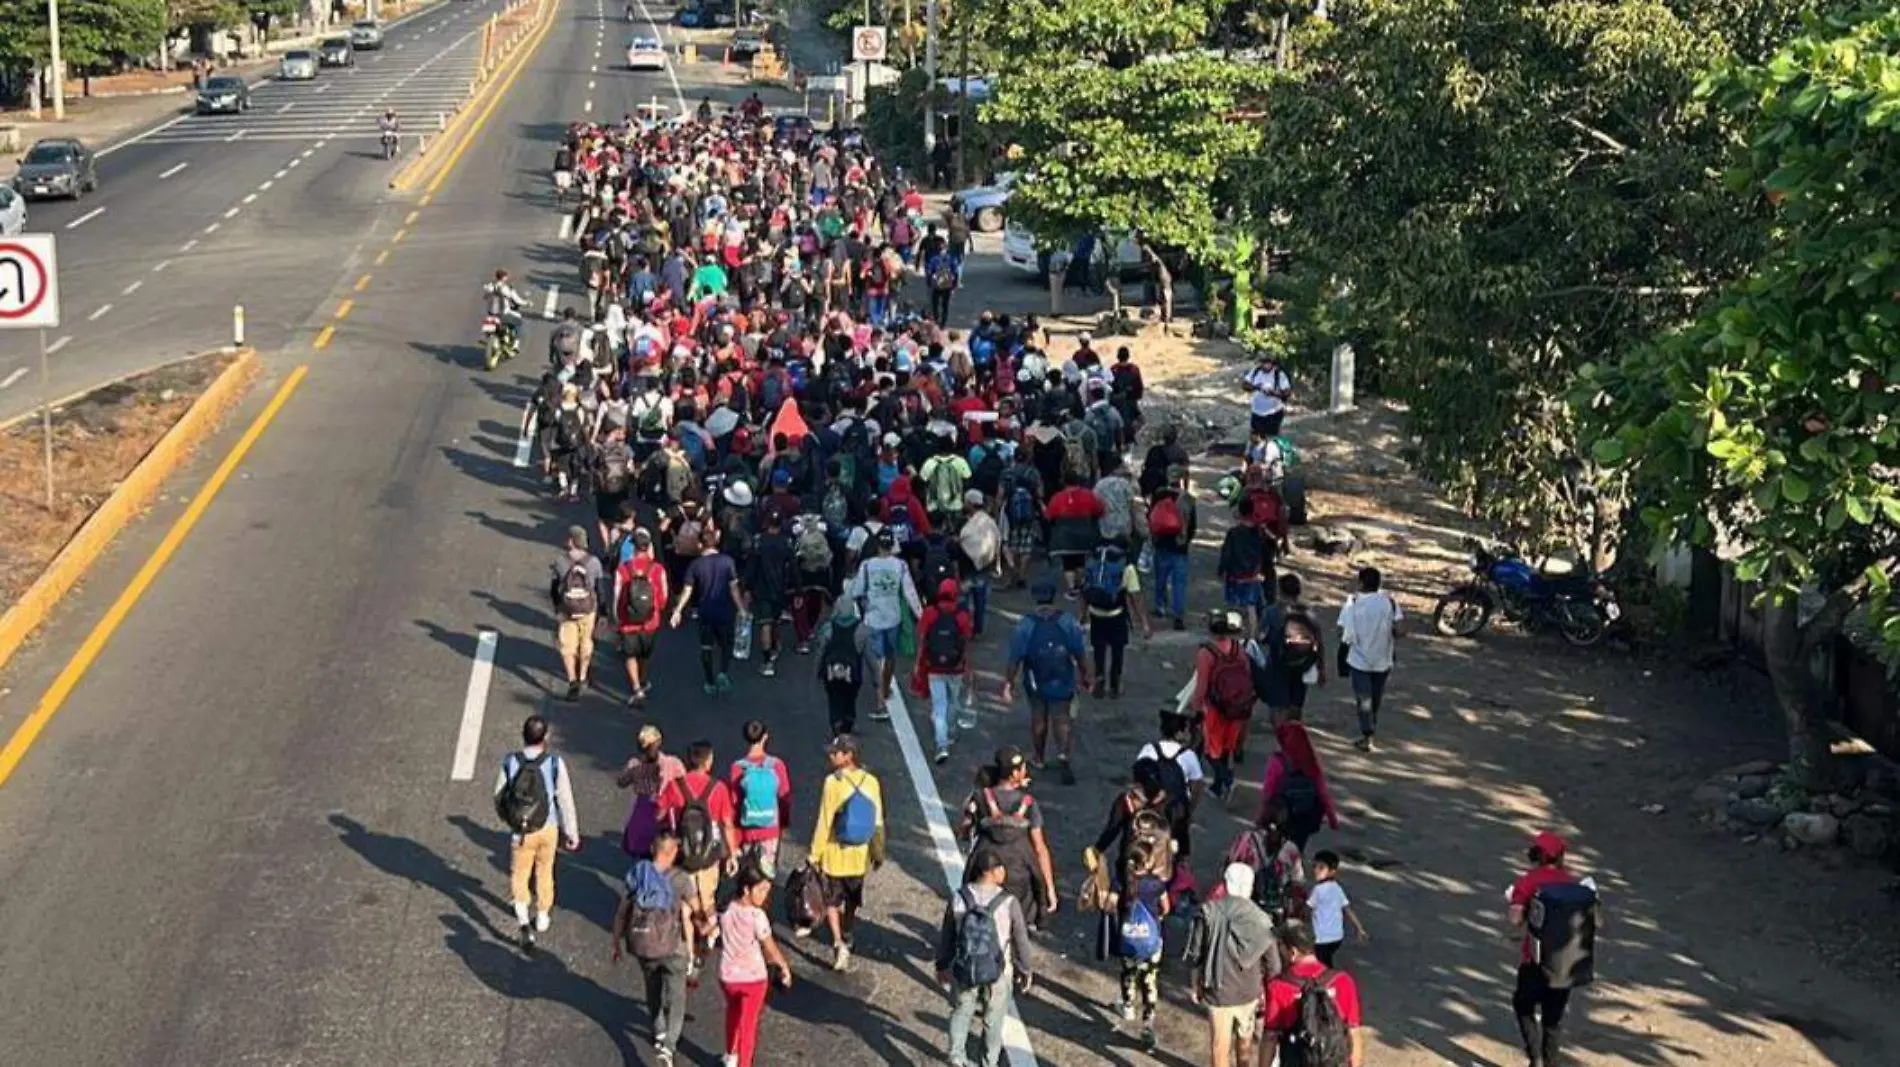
[989,801]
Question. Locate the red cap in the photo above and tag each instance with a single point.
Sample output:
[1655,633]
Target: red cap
[1550,844]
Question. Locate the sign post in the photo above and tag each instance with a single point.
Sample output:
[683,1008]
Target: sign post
[29,300]
[868,44]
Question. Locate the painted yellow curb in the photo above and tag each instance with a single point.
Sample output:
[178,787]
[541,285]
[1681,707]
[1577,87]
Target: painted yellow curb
[449,145]
[129,498]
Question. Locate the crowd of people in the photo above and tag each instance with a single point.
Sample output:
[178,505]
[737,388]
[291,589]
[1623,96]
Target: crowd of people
[780,451]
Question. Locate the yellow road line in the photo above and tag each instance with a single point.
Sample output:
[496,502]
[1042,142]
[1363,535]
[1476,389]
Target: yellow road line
[426,197]
[399,235]
[362,283]
[381,257]
[343,309]
[323,338]
[488,112]
[411,220]
[69,678]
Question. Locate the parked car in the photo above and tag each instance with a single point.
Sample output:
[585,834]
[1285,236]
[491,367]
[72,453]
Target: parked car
[336,52]
[224,93]
[644,52]
[983,205]
[366,35]
[57,166]
[12,211]
[689,17]
[297,66]
[1023,254]
[748,43]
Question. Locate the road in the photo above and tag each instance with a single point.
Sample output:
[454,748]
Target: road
[200,213]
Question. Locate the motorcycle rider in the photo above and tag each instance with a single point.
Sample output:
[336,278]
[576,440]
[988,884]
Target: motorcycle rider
[390,127]
[502,301]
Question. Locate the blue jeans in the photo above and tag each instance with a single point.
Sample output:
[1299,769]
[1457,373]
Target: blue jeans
[976,599]
[1171,576]
[993,999]
[946,699]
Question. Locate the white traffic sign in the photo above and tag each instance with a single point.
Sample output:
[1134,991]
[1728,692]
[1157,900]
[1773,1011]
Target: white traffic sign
[825,83]
[29,282]
[867,44]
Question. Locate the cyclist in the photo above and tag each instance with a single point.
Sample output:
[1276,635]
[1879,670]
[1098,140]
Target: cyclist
[502,301]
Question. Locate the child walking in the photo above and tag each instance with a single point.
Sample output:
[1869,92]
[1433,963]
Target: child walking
[746,934]
[1141,906]
[1330,907]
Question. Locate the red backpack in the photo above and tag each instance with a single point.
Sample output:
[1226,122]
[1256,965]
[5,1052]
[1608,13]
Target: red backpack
[1230,683]
[1165,519]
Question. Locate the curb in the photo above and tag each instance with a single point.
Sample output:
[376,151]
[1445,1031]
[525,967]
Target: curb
[473,113]
[129,497]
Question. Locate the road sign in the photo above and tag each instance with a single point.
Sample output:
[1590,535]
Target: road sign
[867,44]
[29,282]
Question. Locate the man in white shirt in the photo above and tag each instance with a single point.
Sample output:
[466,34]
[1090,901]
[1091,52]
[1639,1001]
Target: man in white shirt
[883,588]
[1369,624]
[1271,387]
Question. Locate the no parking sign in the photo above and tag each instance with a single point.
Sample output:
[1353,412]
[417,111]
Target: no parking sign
[868,44]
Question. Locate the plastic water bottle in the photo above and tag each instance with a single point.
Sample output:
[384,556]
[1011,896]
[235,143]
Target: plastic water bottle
[1145,563]
[742,638]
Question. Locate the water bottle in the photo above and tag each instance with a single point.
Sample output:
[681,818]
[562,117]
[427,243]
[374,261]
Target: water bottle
[742,638]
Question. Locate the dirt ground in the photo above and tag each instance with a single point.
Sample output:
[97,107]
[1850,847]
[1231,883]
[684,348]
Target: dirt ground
[96,440]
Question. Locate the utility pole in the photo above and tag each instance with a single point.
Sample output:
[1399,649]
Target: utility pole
[963,99]
[59,72]
[930,78]
[864,90]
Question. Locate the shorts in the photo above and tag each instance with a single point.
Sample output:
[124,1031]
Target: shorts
[882,644]
[1024,537]
[767,609]
[1221,736]
[1241,1020]
[706,891]
[846,892]
[638,645]
[1268,424]
[607,505]
[576,637]
[1069,561]
[1041,710]
[1247,594]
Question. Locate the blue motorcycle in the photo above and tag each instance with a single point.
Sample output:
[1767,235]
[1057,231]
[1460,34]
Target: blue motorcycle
[1577,605]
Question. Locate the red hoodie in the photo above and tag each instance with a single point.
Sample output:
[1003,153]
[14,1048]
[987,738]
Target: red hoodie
[901,492]
[945,604]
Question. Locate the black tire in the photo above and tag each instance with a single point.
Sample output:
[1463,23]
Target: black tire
[1582,625]
[1463,612]
[1293,494]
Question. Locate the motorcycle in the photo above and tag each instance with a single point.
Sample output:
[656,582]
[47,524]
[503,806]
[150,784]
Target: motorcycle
[390,141]
[1580,607]
[498,342]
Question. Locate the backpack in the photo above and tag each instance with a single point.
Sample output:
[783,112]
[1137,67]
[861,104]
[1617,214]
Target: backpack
[988,475]
[840,663]
[901,527]
[943,643]
[1173,778]
[939,564]
[1149,826]
[1300,794]
[702,844]
[1300,646]
[1103,423]
[616,468]
[835,508]
[569,434]
[1318,1037]
[758,795]
[978,959]
[1164,519]
[944,278]
[1022,503]
[1051,667]
[773,391]
[1230,686]
[804,898]
[856,822]
[813,549]
[686,538]
[1076,459]
[1140,933]
[1562,919]
[946,485]
[576,592]
[1003,829]
[653,923]
[1102,581]
[526,801]
[639,602]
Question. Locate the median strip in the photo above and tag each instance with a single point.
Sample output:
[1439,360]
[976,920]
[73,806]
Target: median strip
[513,38]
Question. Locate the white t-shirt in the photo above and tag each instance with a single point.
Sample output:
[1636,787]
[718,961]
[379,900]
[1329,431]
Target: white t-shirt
[883,584]
[1366,623]
[1265,381]
[1184,758]
[1329,904]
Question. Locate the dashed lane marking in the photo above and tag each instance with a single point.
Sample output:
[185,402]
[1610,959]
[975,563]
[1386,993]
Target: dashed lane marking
[381,258]
[159,267]
[99,313]
[171,170]
[87,217]
[323,338]
[343,309]
[474,707]
[133,288]
[54,348]
[18,373]
[362,283]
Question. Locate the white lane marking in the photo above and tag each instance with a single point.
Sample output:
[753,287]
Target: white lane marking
[213,228]
[249,198]
[286,107]
[137,137]
[323,88]
[590,86]
[567,225]
[593,70]
[87,217]
[234,136]
[266,186]
[57,345]
[554,295]
[99,314]
[525,444]
[587,106]
[307,153]
[133,288]
[680,94]
[18,373]
[171,170]
[280,174]
[295,163]
[160,266]
[231,213]
[188,245]
[944,843]
[474,706]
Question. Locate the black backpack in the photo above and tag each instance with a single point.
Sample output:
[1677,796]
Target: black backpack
[840,664]
[1319,1037]
[1173,778]
[1562,919]
[1300,795]
[988,475]
[940,563]
[523,803]
[575,592]
[943,643]
[702,842]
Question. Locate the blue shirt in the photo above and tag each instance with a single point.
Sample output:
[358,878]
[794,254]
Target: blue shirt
[711,577]
[1024,636]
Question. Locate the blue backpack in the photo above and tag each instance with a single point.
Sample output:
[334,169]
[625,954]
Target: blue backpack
[982,351]
[1102,581]
[903,529]
[653,924]
[978,959]
[856,822]
[758,795]
[1051,665]
[1141,933]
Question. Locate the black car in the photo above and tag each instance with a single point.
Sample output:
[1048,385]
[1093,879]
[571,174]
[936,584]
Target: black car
[58,166]
[336,52]
[224,93]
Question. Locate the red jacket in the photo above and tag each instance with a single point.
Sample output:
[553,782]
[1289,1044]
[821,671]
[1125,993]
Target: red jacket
[901,492]
[933,612]
[656,574]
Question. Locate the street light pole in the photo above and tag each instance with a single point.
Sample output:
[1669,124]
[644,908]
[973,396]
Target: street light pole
[930,78]
[59,74]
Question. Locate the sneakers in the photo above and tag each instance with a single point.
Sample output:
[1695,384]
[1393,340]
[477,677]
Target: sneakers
[723,683]
[1100,690]
[1065,773]
[1115,691]
[573,692]
[527,937]
[801,931]
[803,648]
[1127,1009]
[1180,623]
[966,720]
[663,1056]
[636,699]
[1148,1041]
[943,756]
[709,689]
[541,921]
[841,957]
[768,668]
[881,713]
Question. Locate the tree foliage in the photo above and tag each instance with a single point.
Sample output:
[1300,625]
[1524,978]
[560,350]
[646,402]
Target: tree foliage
[1127,118]
[93,34]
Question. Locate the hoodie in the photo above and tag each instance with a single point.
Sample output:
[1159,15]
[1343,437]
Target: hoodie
[902,492]
[945,605]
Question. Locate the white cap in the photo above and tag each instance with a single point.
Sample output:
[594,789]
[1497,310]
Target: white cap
[1238,878]
[891,440]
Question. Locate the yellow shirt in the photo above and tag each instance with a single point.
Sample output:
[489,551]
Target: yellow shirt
[846,861]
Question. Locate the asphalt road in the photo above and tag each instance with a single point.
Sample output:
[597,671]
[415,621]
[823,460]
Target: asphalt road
[239,840]
[200,213]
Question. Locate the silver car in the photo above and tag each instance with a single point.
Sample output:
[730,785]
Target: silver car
[297,66]
[366,35]
[12,212]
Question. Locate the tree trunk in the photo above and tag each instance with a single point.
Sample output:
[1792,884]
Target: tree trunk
[1786,645]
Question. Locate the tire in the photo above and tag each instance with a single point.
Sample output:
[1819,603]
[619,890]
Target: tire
[1580,624]
[491,352]
[988,219]
[1463,612]
[1293,494]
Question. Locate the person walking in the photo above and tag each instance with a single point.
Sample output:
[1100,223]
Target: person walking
[943,658]
[768,585]
[1224,694]
[1554,917]
[749,955]
[1111,595]
[1141,905]
[847,843]
[843,642]
[1232,949]
[575,591]
[1173,523]
[535,800]
[712,579]
[640,595]
[1001,815]
[697,807]
[654,924]
[1327,1033]
[1296,783]
[981,542]
[1021,503]
[883,588]
[1295,649]
[982,953]
[1049,651]
[1369,625]
[762,790]
[647,773]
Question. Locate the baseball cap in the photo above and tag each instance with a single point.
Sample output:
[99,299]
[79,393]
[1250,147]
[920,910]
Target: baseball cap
[643,538]
[843,743]
[891,440]
[577,534]
[1550,844]
[973,497]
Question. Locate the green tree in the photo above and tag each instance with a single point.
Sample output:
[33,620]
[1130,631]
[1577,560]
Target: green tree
[1507,189]
[1771,425]
[94,35]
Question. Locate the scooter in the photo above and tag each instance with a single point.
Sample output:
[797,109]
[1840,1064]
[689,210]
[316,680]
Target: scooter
[391,140]
[499,342]
[1580,607]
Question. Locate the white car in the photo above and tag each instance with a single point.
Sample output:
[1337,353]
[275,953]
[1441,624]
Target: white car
[12,211]
[297,66]
[1021,254]
[983,205]
[646,53]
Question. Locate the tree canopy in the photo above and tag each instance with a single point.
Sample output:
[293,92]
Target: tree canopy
[93,34]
